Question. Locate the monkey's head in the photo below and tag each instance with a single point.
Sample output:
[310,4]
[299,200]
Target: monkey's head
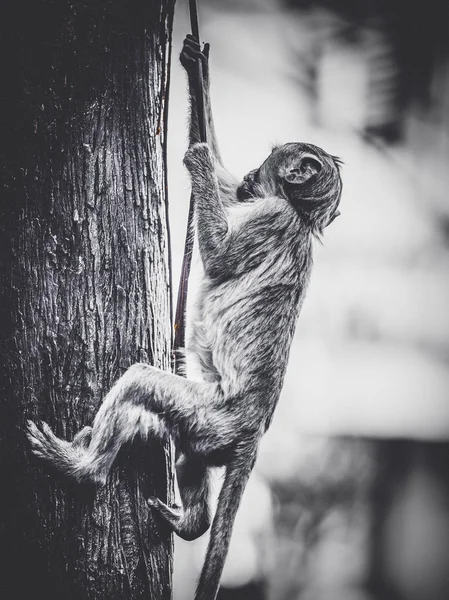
[305,175]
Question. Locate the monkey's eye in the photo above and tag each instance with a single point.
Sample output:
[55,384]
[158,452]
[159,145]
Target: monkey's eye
[302,172]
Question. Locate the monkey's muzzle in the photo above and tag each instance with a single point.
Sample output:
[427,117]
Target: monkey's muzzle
[247,189]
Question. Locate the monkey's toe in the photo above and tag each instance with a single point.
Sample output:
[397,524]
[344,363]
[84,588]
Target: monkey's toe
[44,443]
[82,438]
[172,515]
[158,504]
[38,438]
[185,524]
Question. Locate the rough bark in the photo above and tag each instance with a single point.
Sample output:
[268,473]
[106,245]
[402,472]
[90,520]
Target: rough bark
[84,286]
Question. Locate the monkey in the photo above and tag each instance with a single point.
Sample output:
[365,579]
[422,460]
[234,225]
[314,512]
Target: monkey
[255,240]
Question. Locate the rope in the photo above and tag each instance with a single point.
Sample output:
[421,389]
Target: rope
[180,327]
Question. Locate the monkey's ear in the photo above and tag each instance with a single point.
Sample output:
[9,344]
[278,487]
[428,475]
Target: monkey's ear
[303,171]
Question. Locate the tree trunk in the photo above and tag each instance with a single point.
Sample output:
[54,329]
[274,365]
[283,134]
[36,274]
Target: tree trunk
[84,286]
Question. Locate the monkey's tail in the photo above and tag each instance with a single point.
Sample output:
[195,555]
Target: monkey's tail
[236,478]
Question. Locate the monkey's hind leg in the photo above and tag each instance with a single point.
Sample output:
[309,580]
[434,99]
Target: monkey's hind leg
[192,519]
[145,401]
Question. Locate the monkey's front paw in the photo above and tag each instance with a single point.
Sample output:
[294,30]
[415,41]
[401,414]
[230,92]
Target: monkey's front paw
[191,52]
[198,157]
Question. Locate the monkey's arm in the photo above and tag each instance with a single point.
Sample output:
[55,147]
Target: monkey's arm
[211,218]
[190,54]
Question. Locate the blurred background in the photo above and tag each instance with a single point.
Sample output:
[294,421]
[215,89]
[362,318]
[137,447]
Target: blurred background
[350,496]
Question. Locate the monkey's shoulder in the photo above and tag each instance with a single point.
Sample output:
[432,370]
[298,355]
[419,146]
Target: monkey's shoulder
[272,210]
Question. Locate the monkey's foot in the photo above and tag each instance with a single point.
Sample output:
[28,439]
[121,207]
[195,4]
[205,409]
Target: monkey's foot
[170,514]
[187,524]
[65,457]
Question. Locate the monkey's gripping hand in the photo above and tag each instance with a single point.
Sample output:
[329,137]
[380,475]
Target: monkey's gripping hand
[191,57]
[191,52]
[200,163]
[65,457]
